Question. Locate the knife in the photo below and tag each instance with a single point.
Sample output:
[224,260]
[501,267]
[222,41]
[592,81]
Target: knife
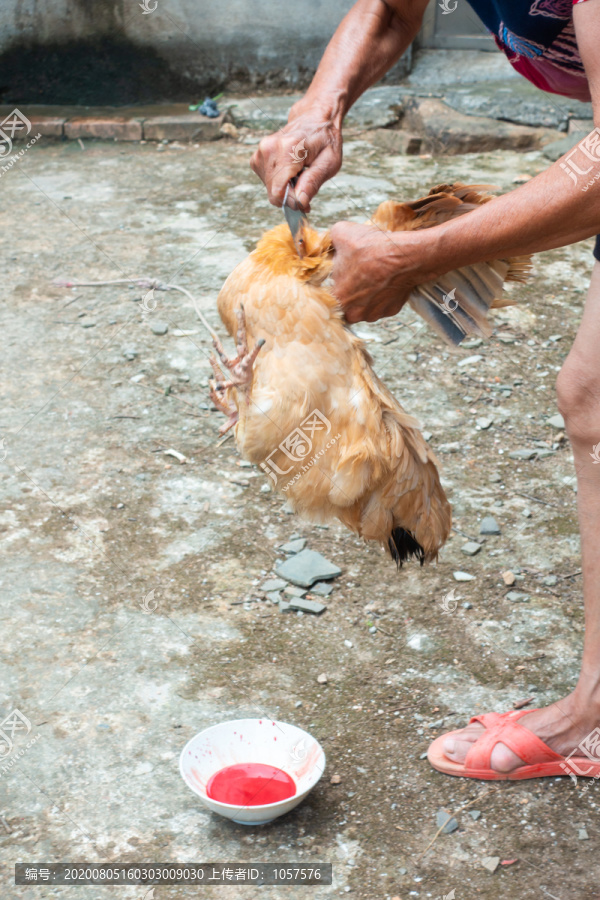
[295,215]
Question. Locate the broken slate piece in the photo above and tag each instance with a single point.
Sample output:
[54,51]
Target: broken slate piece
[556,421]
[583,835]
[490,863]
[471,548]
[550,580]
[484,423]
[284,607]
[273,584]
[489,526]
[308,606]
[517,597]
[294,546]
[273,596]
[306,567]
[463,576]
[522,454]
[322,589]
[443,818]
[474,813]
[295,593]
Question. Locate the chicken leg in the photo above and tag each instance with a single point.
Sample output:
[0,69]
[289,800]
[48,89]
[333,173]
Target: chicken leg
[240,372]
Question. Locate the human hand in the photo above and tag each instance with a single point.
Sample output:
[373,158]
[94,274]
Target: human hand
[310,144]
[374,271]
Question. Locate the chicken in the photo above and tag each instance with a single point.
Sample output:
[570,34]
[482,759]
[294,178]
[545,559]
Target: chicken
[304,399]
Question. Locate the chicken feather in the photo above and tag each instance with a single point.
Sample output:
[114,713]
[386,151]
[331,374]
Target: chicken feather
[314,415]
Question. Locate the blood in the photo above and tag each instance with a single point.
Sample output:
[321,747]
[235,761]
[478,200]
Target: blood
[250,784]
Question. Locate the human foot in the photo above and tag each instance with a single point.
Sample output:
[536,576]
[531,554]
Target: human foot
[563,726]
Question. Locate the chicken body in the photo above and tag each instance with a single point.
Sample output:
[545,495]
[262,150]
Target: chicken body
[315,416]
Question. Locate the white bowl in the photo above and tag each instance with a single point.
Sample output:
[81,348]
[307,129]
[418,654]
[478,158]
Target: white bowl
[278,744]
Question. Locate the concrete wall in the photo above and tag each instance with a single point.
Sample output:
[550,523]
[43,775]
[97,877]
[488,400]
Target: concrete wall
[256,41]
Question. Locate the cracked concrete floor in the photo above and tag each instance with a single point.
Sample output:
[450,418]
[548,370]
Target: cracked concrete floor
[95,516]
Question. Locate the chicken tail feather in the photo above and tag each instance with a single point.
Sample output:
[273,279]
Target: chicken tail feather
[403,547]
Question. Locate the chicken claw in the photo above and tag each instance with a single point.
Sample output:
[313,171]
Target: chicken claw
[240,371]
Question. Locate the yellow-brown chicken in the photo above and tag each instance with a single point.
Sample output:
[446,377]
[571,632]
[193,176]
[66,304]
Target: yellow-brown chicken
[305,401]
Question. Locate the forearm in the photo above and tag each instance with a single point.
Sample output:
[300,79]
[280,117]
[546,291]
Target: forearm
[368,41]
[549,211]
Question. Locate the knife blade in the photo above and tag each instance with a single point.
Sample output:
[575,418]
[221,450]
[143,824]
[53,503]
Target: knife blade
[294,215]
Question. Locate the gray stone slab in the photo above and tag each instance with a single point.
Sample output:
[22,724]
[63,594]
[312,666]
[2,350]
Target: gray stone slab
[523,454]
[306,567]
[308,606]
[273,584]
[322,588]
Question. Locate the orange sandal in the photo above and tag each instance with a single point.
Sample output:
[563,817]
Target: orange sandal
[540,760]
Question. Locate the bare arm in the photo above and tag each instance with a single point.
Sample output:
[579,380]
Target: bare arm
[368,41]
[551,210]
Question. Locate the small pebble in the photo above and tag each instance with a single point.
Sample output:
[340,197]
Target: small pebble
[583,835]
[516,597]
[508,578]
[443,818]
[335,779]
[495,478]
[550,580]
[523,454]
[489,526]
[490,863]
[322,679]
[348,644]
[159,327]
[467,605]
[556,421]
[475,814]
[471,548]
[463,576]
[294,546]
[484,423]
[526,512]
[298,704]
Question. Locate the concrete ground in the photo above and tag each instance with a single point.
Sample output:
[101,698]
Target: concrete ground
[95,516]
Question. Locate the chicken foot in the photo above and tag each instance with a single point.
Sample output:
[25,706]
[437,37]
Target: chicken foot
[240,369]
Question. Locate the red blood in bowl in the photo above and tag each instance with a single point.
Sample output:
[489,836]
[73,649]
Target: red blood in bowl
[250,784]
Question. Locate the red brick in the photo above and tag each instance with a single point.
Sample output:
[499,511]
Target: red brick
[48,126]
[187,127]
[105,128]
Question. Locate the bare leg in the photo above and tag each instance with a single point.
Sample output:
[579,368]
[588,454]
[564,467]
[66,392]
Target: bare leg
[240,369]
[565,723]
